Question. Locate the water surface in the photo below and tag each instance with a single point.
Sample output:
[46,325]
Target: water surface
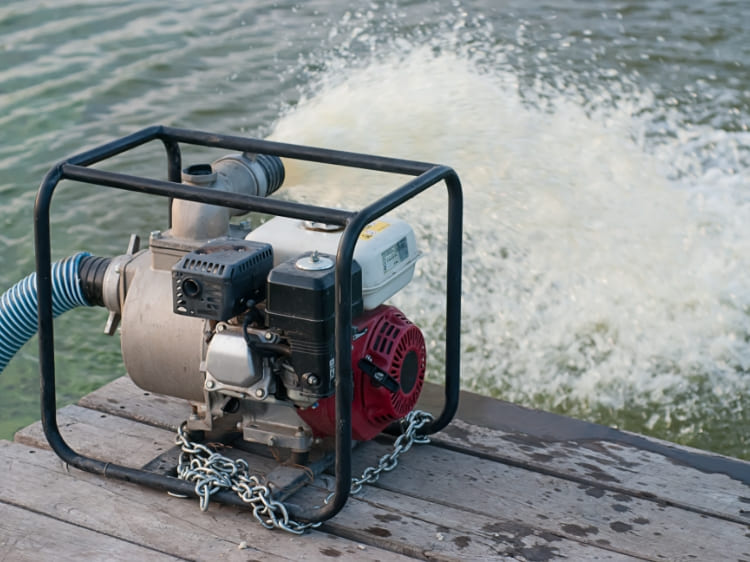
[603,147]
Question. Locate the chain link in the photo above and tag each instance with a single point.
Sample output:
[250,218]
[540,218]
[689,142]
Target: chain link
[212,472]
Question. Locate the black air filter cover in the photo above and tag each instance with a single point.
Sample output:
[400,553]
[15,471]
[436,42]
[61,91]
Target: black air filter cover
[216,280]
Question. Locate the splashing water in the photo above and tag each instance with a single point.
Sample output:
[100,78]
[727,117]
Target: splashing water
[602,265]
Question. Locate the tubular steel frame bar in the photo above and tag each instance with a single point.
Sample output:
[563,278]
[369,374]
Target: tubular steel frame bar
[427,175]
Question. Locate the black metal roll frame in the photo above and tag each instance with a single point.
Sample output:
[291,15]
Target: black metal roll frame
[76,168]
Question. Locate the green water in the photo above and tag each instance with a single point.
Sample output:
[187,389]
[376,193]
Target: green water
[603,146]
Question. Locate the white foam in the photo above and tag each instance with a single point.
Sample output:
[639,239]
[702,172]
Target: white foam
[599,267]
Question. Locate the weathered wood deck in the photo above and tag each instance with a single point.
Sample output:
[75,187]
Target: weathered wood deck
[501,482]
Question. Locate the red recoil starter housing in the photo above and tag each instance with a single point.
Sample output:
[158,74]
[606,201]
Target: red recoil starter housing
[388,365]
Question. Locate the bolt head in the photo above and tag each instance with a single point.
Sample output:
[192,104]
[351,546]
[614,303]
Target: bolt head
[210,384]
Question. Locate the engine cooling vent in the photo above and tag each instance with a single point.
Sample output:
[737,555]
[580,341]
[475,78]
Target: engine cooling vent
[395,346]
[403,344]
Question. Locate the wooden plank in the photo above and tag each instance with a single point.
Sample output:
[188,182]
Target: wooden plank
[122,398]
[584,512]
[556,445]
[37,480]
[26,536]
[435,531]
[132,443]
[581,503]
[386,520]
[612,466]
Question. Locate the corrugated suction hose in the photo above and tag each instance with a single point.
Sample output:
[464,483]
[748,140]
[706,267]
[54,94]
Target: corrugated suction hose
[76,281]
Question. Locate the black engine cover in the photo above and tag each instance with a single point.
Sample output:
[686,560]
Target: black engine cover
[301,303]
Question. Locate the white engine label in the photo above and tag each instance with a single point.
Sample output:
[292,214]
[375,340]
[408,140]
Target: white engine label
[395,255]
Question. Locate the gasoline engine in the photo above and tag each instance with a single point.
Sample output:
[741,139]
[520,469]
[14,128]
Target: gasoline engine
[241,323]
[279,334]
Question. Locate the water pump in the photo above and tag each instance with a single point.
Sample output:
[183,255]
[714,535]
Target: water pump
[280,334]
[241,322]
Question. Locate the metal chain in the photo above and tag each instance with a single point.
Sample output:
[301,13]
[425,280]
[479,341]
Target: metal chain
[213,472]
[410,424]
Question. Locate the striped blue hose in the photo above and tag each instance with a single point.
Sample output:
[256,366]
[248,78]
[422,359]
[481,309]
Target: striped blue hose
[18,306]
